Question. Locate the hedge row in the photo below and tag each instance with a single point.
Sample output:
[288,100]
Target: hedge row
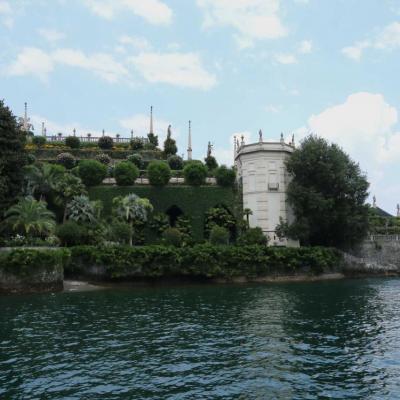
[24,262]
[202,261]
[193,201]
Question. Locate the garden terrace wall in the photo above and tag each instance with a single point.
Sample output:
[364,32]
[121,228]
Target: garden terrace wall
[193,201]
[26,270]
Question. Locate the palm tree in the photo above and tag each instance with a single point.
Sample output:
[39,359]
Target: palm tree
[30,217]
[247,212]
[132,209]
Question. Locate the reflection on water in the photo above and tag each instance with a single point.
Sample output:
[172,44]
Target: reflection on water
[302,341]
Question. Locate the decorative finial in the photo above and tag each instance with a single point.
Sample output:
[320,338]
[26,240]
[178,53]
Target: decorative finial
[282,139]
[103,132]
[209,149]
[131,133]
[374,201]
[242,143]
[189,149]
[151,120]
[260,136]
[74,132]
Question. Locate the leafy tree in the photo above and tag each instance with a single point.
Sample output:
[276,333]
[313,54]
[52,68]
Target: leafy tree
[12,158]
[211,162]
[92,172]
[71,233]
[172,237]
[252,236]
[170,148]
[219,235]
[225,176]
[327,193]
[73,142]
[133,210]
[30,218]
[67,160]
[137,143]
[81,209]
[39,141]
[120,232]
[106,143]
[175,162]
[159,173]
[125,173]
[103,158]
[219,216]
[136,159]
[195,173]
[153,139]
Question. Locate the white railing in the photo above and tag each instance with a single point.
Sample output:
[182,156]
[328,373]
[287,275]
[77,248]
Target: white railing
[384,238]
[91,139]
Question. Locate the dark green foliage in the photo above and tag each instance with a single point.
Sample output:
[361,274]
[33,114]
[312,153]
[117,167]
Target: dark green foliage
[73,142]
[153,140]
[193,201]
[170,148]
[12,158]
[121,232]
[137,143]
[219,216]
[219,235]
[195,173]
[39,141]
[159,223]
[125,173]
[67,160]
[136,159]
[105,143]
[382,225]
[225,176]
[172,237]
[24,262]
[204,261]
[327,193]
[103,158]
[71,234]
[159,173]
[252,236]
[175,162]
[31,159]
[211,163]
[92,172]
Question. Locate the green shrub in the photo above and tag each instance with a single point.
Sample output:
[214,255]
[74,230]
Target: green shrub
[175,162]
[211,163]
[136,143]
[125,173]
[73,142]
[225,176]
[105,143]
[136,159]
[71,234]
[39,141]
[195,173]
[121,232]
[159,173]
[92,172]
[103,158]
[219,235]
[31,159]
[252,236]
[67,160]
[172,237]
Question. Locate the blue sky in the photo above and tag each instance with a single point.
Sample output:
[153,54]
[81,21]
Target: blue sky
[231,66]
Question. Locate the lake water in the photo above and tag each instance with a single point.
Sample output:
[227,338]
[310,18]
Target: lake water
[279,341]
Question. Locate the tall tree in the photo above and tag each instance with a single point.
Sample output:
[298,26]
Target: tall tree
[12,158]
[327,193]
[170,148]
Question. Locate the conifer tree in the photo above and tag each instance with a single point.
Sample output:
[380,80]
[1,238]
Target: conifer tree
[170,148]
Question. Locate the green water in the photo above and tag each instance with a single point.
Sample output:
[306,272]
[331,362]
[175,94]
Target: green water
[280,341]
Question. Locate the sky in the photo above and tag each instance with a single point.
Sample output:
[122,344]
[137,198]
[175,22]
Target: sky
[232,67]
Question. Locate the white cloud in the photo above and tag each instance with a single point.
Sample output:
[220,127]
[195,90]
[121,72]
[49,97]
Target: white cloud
[387,39]
[251,19]
[34,61]
[286,59]
[273,109]
[180,69]
[305,47]
[153,11]
[301,1]
[6,14]
[137,42]
[51,35]
[365,127]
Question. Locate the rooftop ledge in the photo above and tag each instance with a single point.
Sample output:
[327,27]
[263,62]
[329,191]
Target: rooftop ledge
[264,146]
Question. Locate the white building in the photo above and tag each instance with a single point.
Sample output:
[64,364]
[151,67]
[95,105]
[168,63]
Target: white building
[261,169]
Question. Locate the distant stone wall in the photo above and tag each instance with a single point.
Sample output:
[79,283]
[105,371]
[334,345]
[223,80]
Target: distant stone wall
[374,257]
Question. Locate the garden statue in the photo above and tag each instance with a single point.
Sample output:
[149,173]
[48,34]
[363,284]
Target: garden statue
[209,149]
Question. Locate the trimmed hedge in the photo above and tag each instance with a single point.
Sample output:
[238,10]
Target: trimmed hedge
[203,261]
[92,172]
[193,201]
[159,173]
[125,173]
